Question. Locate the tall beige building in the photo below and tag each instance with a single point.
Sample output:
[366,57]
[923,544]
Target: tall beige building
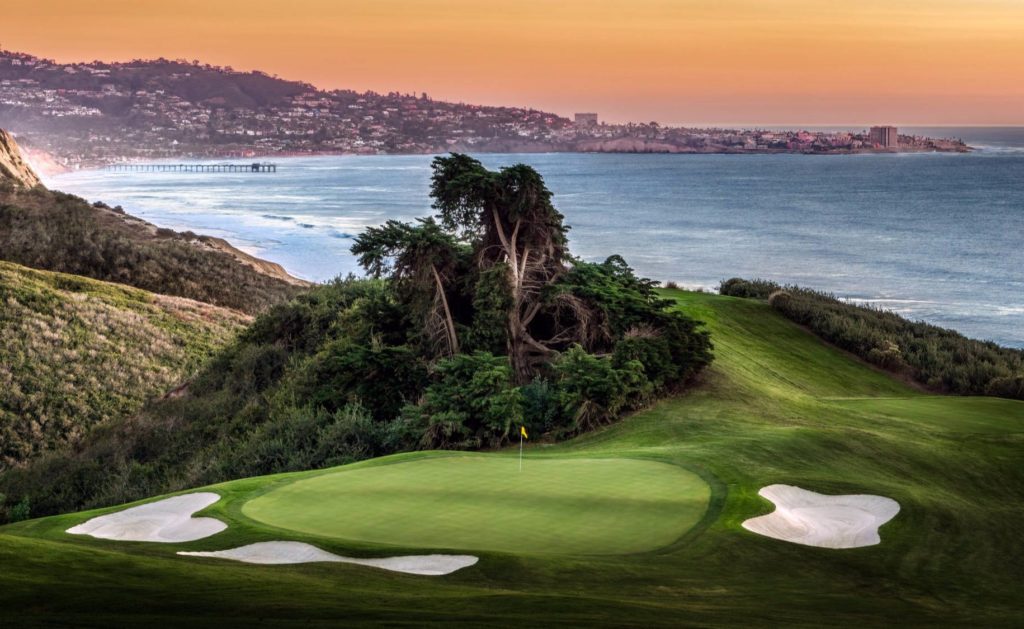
[887,137]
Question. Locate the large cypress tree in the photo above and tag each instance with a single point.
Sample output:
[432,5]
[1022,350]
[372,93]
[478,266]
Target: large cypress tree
[508,217]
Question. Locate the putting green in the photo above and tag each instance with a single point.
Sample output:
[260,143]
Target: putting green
[481,502]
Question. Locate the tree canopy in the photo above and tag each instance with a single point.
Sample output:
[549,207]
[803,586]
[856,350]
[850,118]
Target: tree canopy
[472,322]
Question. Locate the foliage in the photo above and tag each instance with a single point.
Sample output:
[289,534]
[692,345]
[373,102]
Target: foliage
[635,323]
[21,511]
[472,402]
[383,379]
[76,353]
[507,218]
[751,289]
[491,304]
[940,359]
[60,232]
[421,260]
[594,390]
[472,323]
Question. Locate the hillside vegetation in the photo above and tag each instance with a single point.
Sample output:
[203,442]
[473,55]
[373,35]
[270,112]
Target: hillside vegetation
[458,343]
[942,360]
[776,406]
[61,232]
[77,353]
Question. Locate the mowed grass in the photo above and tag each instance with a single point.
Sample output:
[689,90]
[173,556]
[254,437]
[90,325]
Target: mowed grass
[481,502]
[777,406]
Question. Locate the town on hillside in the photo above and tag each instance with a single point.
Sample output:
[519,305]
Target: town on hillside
[93,114]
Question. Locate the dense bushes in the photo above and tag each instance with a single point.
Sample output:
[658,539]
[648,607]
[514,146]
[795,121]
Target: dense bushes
[750,289]
[472,402]
[474,324]
[938,358]
[331,377]
[60,232]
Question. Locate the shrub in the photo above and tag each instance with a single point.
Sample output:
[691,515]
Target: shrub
[383,379]
[938,358]
[1006,386]
[21,511]
[471,402]
[543,409]
[594,390]
[750,289]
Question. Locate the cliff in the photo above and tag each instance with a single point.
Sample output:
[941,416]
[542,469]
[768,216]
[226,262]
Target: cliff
[13,166]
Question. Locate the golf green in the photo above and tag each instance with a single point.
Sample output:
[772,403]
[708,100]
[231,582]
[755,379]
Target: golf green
[481,502]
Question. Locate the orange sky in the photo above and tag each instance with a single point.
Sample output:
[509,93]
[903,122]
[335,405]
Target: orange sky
[675,61]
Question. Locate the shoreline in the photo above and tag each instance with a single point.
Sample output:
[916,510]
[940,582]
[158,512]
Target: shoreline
[47,164]
[322,208]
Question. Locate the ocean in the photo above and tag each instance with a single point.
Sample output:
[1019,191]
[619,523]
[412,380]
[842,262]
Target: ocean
[935,237]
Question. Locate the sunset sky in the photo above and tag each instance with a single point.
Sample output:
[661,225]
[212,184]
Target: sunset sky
[674,61]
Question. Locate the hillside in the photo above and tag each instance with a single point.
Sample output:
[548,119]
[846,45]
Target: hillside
[51,230]
[91,113]
[96,112]
[940,359]
[77,353]
[441,348]
[777,406]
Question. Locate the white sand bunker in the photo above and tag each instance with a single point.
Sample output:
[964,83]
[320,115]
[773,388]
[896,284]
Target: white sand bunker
[169,520]
[298,552]
[812,519]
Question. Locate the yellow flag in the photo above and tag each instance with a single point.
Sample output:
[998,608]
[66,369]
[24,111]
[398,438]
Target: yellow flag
[522,431]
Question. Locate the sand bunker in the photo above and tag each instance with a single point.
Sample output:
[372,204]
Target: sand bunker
[298,552]
[169,520]
[812,519]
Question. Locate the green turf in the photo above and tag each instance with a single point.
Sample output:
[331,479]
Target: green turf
[554,505]
[778,406]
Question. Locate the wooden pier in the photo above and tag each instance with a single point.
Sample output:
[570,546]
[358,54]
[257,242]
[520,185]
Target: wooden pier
[255,167]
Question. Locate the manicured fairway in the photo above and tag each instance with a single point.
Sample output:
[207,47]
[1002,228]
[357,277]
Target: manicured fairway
[967,415]
[555,505]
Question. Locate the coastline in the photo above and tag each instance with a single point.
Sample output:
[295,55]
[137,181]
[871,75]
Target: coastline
[48,165]
[690,220]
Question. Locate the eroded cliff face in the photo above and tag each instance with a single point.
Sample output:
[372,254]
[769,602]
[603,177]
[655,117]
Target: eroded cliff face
[12,165]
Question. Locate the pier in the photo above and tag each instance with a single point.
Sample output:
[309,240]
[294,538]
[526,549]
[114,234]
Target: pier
[255,167]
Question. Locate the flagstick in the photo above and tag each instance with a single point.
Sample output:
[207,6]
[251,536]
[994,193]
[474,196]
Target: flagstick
[520,450]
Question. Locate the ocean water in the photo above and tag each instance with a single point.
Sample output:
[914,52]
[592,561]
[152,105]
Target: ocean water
[936,237]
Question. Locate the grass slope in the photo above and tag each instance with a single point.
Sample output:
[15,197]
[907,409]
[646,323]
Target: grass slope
[777,406]
[75,353]
[483,502]
[50,230]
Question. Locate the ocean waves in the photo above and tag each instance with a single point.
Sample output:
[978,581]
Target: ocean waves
[937,240]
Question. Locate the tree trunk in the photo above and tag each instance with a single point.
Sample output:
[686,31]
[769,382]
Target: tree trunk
[453,339]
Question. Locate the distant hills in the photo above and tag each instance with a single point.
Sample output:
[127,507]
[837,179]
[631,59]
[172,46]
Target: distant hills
[86,114]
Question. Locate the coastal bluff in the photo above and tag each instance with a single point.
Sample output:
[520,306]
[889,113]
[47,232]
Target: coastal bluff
[13,166]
